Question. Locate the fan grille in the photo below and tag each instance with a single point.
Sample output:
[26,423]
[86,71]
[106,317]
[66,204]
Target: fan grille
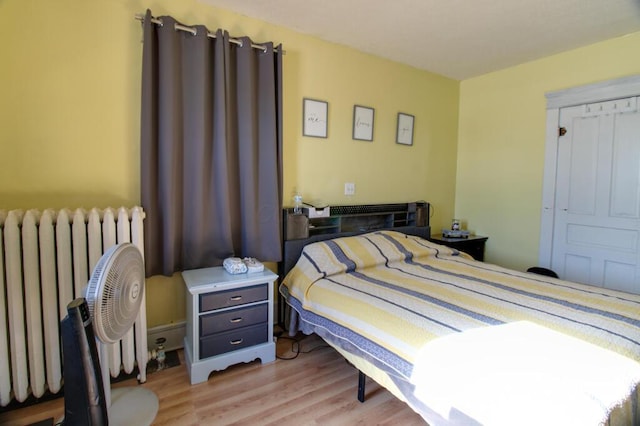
[115,291]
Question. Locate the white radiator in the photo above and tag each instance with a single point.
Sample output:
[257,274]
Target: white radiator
[46,260]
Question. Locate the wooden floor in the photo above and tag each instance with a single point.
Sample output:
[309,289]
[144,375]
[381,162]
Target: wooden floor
[317,387]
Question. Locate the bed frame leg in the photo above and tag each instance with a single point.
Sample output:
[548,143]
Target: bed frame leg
[361,382]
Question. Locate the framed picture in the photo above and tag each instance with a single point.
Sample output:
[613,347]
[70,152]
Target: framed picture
[363,123]
[314,118]
[405,129]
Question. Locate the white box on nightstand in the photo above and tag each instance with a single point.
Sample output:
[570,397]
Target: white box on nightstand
[314,212]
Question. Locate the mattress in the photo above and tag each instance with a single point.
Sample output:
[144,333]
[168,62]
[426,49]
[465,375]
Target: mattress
[405,310]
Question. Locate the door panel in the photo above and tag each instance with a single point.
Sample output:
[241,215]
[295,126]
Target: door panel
[625,189]
[597,207]
[619,276]
[578,268]
[622,240]
[582,156]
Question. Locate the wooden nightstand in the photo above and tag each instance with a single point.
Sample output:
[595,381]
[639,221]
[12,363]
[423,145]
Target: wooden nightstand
[229,320]
[473,245]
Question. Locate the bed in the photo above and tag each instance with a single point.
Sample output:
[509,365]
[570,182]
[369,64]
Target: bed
[464,342]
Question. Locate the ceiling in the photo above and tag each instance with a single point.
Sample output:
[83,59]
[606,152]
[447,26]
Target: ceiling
[459,39]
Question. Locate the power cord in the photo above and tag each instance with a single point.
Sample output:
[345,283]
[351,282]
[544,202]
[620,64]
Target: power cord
[296,347]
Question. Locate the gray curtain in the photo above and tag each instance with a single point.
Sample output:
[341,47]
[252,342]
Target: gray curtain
[211,148]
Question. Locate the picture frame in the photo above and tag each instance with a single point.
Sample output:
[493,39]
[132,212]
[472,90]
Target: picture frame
[363,120]
[404,134]
[314,118]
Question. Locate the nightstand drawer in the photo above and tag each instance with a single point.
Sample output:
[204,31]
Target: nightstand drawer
[234,297]
[233,340]
[236,318]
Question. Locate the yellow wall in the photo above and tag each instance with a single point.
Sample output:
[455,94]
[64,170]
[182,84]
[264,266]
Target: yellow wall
[70,107]
[69,122]
[69,104]
[502,138]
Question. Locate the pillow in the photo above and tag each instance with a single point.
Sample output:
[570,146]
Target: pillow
[347,254]
[358,252]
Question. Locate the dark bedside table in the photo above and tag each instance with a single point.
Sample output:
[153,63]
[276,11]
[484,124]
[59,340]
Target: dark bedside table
[473,245]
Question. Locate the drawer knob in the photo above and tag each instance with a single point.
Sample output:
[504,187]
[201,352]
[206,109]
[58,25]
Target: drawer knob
[236,298]
[236,319]
[236,342]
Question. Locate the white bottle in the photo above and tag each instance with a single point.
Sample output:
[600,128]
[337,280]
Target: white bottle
[297,204]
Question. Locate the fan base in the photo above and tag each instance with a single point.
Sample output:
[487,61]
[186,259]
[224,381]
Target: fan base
[132,406]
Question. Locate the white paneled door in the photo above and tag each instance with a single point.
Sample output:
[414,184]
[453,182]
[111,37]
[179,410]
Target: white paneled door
[596,235]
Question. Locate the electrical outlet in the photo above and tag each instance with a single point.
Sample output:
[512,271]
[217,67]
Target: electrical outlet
[349,188]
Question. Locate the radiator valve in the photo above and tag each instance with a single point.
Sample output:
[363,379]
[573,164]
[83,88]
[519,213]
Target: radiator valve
[160,354]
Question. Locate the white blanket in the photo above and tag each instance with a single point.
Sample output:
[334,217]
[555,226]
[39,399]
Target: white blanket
[521,374]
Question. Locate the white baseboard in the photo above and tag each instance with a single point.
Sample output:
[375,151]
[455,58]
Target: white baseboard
[174,333]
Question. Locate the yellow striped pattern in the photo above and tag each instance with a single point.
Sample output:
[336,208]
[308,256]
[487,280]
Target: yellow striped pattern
[388,294]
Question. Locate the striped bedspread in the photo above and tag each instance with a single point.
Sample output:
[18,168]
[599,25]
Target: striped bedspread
[385,296]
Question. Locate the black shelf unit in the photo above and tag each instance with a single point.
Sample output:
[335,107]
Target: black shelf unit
[355,218]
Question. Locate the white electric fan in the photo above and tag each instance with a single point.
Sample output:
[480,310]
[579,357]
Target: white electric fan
[112,302]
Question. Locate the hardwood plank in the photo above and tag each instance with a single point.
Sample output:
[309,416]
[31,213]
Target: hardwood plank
[317,387]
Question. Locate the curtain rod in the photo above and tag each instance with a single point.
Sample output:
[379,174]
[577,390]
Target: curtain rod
[178,27]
